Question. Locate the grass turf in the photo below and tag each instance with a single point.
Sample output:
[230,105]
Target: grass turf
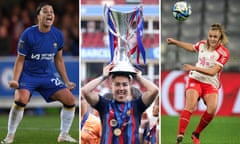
[222,130]
[38,129]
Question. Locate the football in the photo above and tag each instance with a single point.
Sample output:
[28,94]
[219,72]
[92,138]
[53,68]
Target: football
[181,10]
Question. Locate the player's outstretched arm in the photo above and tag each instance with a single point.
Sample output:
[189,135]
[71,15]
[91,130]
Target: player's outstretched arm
[88,90]
[184,45]
[17,70]
[151,89]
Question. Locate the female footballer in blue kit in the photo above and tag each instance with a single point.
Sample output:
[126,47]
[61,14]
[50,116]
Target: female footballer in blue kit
[38,46]
[120,117]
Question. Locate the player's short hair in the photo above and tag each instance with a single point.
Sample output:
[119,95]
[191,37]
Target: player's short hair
[128,75]
[42,4]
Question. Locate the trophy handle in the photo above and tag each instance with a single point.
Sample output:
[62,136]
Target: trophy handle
[139,14]
[105,19]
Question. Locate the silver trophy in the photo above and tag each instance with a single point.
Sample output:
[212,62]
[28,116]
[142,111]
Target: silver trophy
[123,26]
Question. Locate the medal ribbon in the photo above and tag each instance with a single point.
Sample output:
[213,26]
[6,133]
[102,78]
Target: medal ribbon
[121,115]
[85,117]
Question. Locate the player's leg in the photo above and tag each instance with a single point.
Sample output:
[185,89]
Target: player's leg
[67,113]
[211,102]
[16,113]
[191,101]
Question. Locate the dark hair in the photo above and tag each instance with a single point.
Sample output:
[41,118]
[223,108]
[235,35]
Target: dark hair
[125,74]
[42,4]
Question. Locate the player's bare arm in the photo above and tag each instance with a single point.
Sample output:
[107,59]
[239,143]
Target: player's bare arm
[151,92]
[60,65]
[184,45]
[88,90]
[208,71]
[17,70]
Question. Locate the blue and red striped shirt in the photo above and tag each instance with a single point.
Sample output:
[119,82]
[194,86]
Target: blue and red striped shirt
[151,135]
[129,129]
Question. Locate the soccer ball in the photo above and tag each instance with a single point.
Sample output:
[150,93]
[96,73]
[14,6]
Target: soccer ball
[181,10]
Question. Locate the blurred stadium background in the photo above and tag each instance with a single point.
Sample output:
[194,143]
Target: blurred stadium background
[94,39]
[15,16]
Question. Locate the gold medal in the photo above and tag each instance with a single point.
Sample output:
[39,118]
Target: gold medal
[117,131]
[113,122]
[129,112]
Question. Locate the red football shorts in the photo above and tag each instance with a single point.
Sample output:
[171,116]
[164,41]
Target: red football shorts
[202,88]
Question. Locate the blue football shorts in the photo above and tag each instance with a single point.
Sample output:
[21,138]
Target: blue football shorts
[46,85]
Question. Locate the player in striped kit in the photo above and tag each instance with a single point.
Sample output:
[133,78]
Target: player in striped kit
[120,117]
[204,78]
[152,136]
[38,47]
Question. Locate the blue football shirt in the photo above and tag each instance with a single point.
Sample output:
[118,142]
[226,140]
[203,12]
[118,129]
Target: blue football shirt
[39,50]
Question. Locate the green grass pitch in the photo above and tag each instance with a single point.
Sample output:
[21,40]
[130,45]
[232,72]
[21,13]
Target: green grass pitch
[222,130]
[38,129]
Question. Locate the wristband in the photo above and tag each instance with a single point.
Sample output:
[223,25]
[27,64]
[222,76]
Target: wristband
[141,130]
[157,127]
[104,77]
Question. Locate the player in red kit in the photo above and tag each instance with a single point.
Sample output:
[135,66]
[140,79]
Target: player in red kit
[204,78]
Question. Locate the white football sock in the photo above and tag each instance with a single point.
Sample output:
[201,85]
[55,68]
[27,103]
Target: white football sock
[15,117]
[67,115]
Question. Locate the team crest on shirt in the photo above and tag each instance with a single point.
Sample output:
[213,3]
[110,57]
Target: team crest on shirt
[55,45]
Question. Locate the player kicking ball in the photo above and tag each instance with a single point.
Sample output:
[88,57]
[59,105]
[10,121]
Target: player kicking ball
[203,79]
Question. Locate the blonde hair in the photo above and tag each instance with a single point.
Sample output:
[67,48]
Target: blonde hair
[223,37]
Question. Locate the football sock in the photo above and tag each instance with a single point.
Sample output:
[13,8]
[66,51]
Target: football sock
[183,121]
[67,115]
[15,117]
[205,120]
